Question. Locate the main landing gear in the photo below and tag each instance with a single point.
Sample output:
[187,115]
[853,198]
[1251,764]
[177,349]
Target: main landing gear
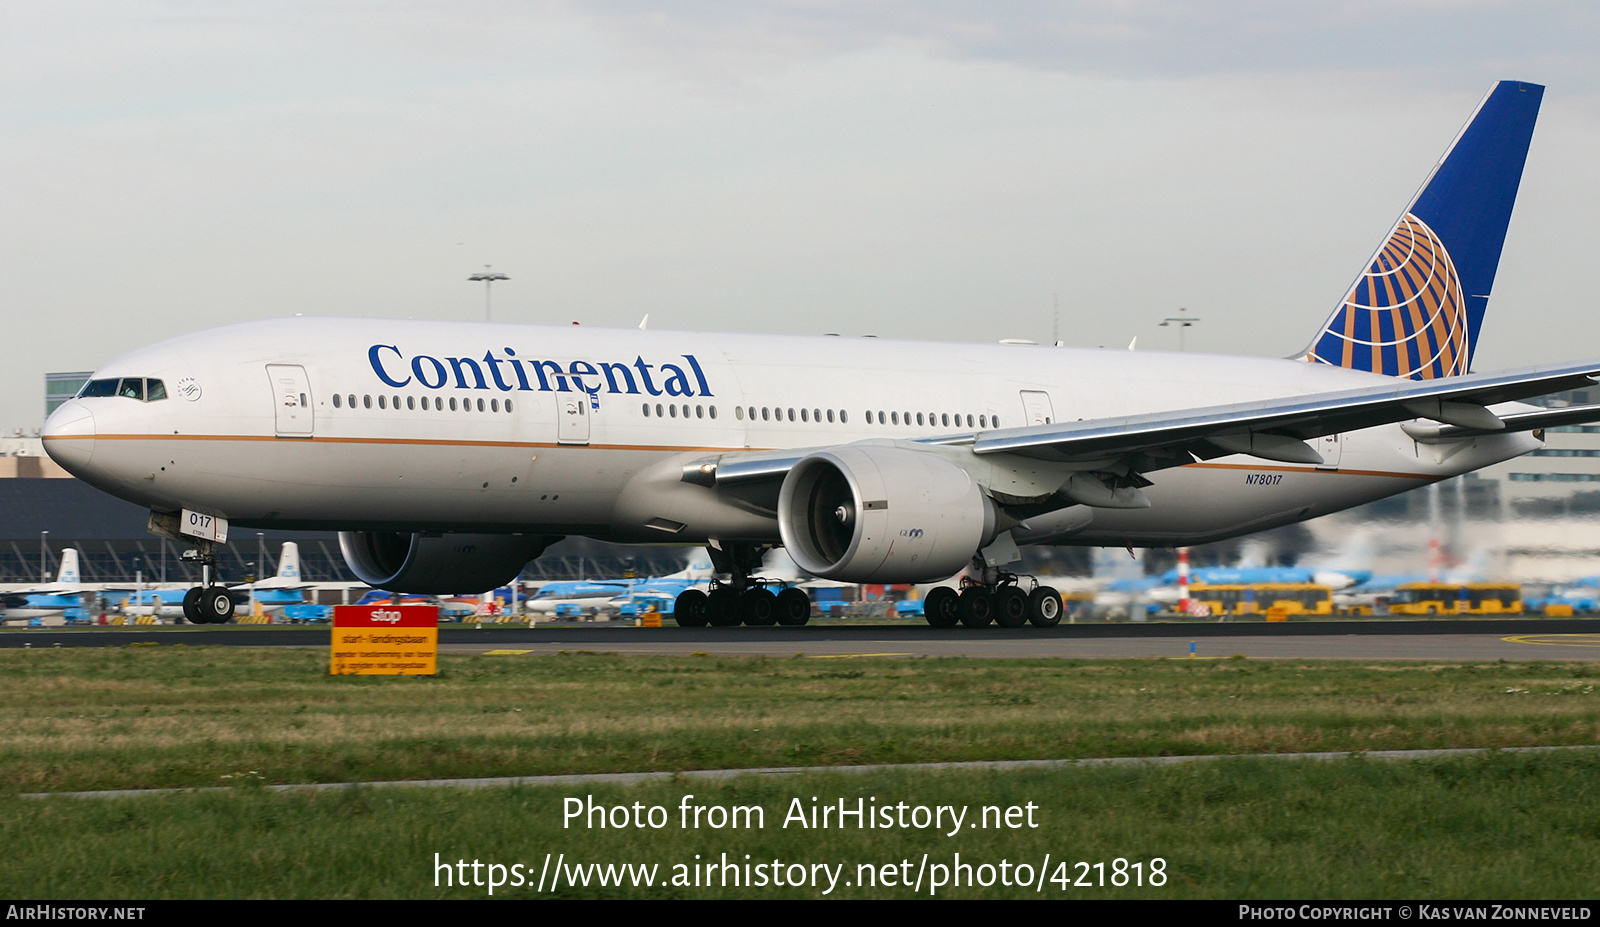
[207,603]
[742,599]
[1003,602]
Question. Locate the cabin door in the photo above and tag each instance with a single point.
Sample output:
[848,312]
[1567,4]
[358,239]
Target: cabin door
[573,414]
[291,400]
[1036,408]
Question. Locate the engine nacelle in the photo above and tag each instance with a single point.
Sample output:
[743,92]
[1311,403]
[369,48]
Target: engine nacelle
[444,565]
[870,514]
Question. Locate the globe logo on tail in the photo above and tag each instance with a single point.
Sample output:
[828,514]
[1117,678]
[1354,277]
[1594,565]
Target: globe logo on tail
[1406,316]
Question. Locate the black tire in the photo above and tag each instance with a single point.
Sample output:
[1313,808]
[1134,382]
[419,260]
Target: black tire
[758,608]
[941,607]
[191,606]
[1010,607]
[977,609]
[1044,607]
[216,605]
[722,608]
[793,607]
[689,610]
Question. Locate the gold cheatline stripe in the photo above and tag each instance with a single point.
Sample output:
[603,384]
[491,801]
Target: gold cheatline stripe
[635,447]
[1337,472]
[397,441]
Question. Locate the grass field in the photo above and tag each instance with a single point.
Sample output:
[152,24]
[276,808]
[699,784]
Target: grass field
[162,716]
[1500,825]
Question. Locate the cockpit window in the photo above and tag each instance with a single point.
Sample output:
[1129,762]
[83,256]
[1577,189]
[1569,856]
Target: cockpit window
[144,390]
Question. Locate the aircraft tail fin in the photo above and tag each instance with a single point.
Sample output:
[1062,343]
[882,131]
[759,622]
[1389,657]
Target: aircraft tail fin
[1416,309]
[69,567]
[289,561]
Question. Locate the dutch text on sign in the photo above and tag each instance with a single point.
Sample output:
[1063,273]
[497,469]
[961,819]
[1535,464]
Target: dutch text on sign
[385,640]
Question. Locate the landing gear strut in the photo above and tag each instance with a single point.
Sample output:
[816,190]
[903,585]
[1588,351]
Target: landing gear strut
[206,603]
[1002,600]
[743,599]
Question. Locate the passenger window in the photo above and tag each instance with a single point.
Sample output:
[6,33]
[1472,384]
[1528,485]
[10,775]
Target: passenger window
[155,391]
[494,405]
[411,403]
[351,402]
[452,403]
[713,411]
[738,412]
[791,415]
[699,411]
[366,401]
[381,403]
[659,413]
[803,416]
[919,418]
[844,416]
[480,405]
[893,417]
[944,419]
[647,410]
[508,405]
[674,410]
[765,416]
[337,400]
[983,421]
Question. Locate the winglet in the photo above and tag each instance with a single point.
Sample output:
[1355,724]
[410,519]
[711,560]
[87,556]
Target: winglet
[1417,308]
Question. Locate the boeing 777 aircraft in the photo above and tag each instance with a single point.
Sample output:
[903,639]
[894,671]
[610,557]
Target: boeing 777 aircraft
[450,454]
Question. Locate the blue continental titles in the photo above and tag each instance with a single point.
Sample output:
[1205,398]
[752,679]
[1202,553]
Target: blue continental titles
[512,373]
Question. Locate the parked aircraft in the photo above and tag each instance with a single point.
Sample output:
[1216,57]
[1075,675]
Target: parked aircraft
[586,594]
[450,454]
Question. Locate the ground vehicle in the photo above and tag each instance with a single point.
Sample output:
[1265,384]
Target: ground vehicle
[1456,599]
[1256,598]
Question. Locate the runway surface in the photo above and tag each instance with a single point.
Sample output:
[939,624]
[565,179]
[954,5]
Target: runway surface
[1500,639]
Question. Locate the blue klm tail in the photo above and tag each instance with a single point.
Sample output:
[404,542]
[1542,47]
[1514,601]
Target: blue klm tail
[1416,310]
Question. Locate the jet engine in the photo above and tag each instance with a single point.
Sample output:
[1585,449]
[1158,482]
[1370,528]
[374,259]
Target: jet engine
[438,565]
[870,514]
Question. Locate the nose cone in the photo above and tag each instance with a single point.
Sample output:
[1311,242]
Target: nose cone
[69,437]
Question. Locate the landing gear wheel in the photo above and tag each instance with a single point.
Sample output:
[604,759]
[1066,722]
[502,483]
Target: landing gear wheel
[216,606]
[722,608]
[1010,607]
[689,610]
[977,610]
[756,608]
[793,608]
[942,607]
[191,606]
[1044,607]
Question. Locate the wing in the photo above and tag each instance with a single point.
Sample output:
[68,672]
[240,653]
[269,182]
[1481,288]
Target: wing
[1272,429]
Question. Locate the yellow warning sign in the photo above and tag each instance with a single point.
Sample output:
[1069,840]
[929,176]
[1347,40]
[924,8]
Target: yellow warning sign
[385,640]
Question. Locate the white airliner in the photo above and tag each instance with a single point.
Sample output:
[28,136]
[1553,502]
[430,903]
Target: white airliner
[450,454]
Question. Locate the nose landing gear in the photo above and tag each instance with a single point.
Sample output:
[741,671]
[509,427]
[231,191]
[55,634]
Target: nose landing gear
[207,603]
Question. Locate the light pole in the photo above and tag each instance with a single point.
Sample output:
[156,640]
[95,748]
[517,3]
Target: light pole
[488,276]
[1182,321]
[44,557]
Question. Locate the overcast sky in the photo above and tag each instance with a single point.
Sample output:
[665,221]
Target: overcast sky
[945,171]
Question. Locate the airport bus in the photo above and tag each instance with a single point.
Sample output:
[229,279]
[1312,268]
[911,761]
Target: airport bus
[1456,599]
[1256,598]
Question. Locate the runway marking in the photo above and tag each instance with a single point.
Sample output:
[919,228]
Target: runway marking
[505,653]
[848,656]
[1549,640]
